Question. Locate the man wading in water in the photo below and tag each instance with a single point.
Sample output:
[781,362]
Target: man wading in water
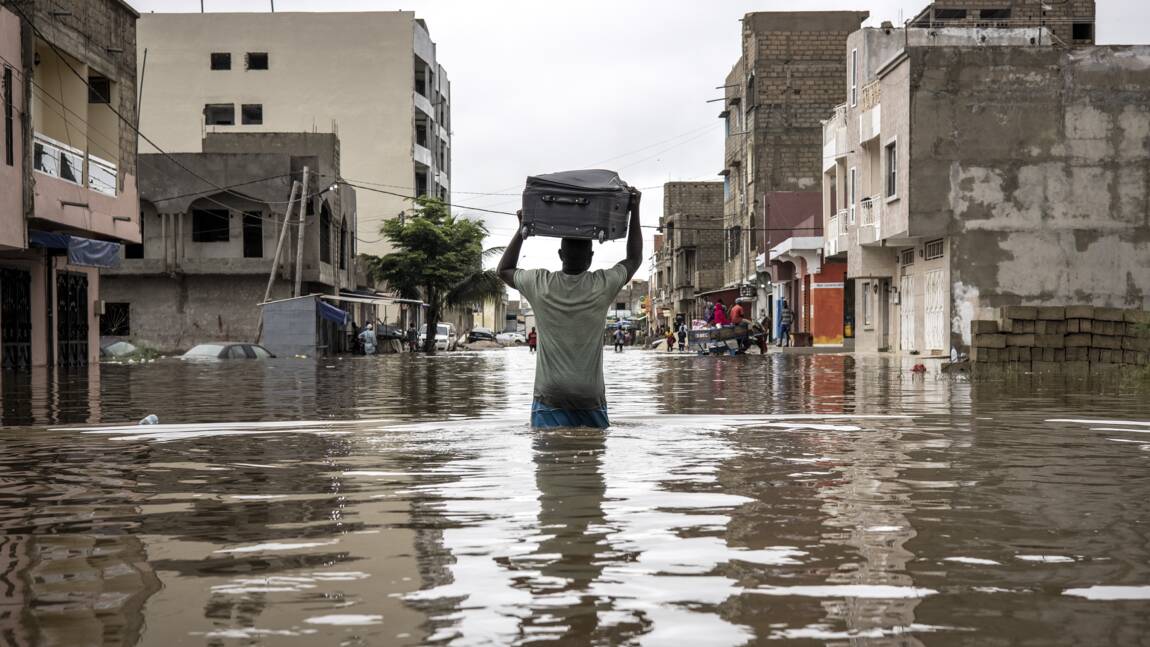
[570,309]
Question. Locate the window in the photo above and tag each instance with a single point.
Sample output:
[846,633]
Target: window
[421,134]
[994,14]
[933,250]
[852,181]
[99,89]
[950,14]
[252,114]
[8,132]
[854,77]
[671,235]
[1082,31]
[325,234]
[867,308]
[890,155]
[221,61]
[734,241]
[420,183]
[116,320]
[253,235]
[220,114]
[257,60]
[620,306]
[343,246]
[906,256]
[134,250]
[211,225]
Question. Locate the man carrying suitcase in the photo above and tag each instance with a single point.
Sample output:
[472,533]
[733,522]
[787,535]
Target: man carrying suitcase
[570,308]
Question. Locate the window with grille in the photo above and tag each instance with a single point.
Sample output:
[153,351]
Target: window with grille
[906,256]
[116,320]
[933,250]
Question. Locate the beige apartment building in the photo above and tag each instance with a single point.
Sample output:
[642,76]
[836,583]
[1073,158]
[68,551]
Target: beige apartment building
[977,166]
[372,78]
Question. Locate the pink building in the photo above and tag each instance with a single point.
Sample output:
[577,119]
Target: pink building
[67,173]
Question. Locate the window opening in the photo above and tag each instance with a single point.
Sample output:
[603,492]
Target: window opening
[8,122]
[950,14]
[933,250]
[252,114]
[99,89]
[854,77]
[116,320]
[906,256]
[221,61]
[891,170]
[253,235]
[324,235]
[211,225]
[220,114]
[136,250]
[1082,31]
[257,60]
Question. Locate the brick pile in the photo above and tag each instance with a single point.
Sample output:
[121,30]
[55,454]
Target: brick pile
[1073,339]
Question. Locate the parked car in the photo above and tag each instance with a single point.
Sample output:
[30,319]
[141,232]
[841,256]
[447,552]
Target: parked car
[228,350]
[480,334]
[444,336]
[511,338]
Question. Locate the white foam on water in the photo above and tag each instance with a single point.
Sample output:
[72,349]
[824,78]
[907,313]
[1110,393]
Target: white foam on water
[1132,431]
[884,528]
[257,497]
[1100,592]
[877,591]
[252,632]
[823,632]
[972,560]
[185,431]
[346,619]
[1138,423]
[1046,559]
[277,546]
[991,589]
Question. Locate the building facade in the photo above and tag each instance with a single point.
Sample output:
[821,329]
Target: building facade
[977,168]
[788,77]
[67,172]
[372,78]
[206,256]
[693,235]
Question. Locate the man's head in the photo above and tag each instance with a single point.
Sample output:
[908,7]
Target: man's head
[576,255]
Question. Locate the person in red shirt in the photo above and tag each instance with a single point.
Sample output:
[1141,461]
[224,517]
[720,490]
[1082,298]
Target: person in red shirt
[720,314]
[737,316]
[532,340]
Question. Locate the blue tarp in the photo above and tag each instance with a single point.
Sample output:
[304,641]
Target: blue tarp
[332,313]
[81,251]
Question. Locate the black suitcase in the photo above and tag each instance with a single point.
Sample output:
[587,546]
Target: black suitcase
[591,204]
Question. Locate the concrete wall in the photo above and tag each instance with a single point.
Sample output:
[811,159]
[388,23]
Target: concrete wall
[175,313]
[1035,163]
[350,73]
[12,231]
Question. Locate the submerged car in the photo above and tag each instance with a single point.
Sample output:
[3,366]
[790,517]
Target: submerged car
[480,334]
[228,350]
[511,338]
[112,348]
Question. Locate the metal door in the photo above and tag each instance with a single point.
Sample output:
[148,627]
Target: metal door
[934,318]
[71,319]
[15,319]
[906,312]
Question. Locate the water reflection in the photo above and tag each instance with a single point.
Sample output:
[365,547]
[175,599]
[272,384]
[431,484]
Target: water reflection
[403,500]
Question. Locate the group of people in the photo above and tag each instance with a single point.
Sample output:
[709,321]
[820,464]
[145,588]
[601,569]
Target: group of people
[368,339]
[717,315]
[622,338]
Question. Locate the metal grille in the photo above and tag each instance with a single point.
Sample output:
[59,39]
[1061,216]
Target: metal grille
[71,319]
[933,249]
[15,319]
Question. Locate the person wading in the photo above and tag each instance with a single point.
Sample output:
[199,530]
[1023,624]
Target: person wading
[570,307]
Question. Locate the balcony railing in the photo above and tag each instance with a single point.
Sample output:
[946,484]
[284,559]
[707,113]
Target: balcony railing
[60,160]
[869,206]
[833,227]
[841,217]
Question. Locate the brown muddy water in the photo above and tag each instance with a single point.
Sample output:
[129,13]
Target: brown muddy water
[405,501]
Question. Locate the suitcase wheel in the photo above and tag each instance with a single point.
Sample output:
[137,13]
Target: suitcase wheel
[525,232]
[602,236]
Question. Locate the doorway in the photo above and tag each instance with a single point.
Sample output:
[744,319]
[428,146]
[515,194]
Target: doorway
[253,235]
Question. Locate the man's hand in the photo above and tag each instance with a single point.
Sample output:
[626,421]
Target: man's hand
[634,258]
[507,264]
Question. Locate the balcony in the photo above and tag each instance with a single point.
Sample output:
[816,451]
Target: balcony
[423,103]
[841,217]
[835,137]
[870,220]
[421,154]
[60,160]
[871,95]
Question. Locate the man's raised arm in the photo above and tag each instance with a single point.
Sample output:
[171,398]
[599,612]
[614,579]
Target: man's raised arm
[510,260]
[634,258]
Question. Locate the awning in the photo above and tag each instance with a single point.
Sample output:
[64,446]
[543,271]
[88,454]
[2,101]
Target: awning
[378,300]
[81,251]
[332,313]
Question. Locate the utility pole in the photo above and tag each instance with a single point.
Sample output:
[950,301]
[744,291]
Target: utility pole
[276,258]
[304,201]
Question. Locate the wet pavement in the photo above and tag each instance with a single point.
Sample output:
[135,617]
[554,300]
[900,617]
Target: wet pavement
[403,500]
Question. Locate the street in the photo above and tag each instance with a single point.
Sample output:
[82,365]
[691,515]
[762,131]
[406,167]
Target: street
[403,500]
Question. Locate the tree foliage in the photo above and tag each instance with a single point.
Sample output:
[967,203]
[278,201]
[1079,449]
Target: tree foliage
[438,258]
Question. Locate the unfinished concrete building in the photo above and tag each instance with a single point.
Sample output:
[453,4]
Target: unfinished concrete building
[203,265]
[977,168]
[788,77]
[692,226]
[1067,22]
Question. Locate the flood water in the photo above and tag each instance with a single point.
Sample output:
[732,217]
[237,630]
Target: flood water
[404,500]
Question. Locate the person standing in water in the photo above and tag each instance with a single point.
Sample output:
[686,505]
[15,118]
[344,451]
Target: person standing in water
[620,337]
[532,339]
[368,339]
[570,307]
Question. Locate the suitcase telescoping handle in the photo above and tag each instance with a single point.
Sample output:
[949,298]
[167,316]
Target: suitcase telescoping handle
[564,199]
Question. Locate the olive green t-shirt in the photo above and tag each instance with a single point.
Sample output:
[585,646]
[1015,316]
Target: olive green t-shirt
[570,314]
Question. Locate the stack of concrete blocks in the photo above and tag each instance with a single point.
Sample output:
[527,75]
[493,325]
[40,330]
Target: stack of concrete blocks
[1072,339]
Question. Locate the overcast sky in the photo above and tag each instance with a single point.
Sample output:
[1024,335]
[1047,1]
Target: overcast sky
[543,86]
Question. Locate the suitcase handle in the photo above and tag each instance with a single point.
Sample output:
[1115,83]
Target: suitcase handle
[562,199]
